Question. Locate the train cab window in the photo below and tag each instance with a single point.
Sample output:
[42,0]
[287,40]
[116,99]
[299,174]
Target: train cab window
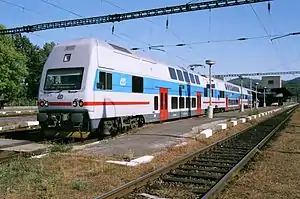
[137,84]
[174,102]
[205,92]
[192,78]
[172,73]
[186,77]
[155,102]
[105,81]
[181,102]
[179,74]
[197,79]
[193,102]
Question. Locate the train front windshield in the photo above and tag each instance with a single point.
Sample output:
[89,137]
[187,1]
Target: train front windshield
[64,79]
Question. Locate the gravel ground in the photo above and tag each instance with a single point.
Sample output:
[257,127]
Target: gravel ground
[74,175]
[14,120]
[275,172]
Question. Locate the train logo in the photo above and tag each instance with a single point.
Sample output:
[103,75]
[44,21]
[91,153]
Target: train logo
[60,96]
[123,81]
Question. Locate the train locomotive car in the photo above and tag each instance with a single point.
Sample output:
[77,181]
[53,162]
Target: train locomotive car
[92,86]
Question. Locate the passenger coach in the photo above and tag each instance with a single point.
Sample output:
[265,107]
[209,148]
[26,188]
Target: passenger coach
[88,85]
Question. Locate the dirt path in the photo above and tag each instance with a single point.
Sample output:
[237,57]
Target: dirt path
[275,172]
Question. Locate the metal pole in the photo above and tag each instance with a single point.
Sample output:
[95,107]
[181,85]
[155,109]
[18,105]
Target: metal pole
[210,108]
[242,105]
[264,97]
[251,92]
[256,104]
[210,85]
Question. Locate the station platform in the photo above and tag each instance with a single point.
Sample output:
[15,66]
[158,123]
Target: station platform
[22,146]
[152,138]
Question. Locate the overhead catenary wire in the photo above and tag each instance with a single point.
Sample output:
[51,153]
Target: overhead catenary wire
[204,42]
[79,15]
[269,36]
[23,7]
[113,27]
[153,22]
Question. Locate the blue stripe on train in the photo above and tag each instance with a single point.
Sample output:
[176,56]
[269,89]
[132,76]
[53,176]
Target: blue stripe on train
[123,83]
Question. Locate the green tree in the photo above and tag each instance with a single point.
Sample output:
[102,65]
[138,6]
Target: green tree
[13,70]
[36,58]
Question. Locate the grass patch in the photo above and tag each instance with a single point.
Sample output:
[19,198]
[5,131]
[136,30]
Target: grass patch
[253,112]
[24,175]
[60,147]
[79,185]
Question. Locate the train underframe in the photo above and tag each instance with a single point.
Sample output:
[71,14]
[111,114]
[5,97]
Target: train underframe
[79,125]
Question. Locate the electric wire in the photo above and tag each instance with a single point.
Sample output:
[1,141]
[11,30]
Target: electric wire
[77,14]
[151,21]
[269,36]
[23,7]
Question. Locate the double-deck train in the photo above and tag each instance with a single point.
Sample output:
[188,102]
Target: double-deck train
[89,85]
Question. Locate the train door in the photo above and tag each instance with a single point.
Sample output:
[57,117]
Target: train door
[198,103]
[226,105]
[163,103]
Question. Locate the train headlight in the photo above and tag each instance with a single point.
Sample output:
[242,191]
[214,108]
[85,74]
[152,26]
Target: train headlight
[74,103]
[81,103]
[46,103]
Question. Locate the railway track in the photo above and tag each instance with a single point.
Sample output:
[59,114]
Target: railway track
[205,172]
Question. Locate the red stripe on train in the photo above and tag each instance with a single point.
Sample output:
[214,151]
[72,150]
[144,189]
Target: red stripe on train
[207,102]
[114,103]
[99,103]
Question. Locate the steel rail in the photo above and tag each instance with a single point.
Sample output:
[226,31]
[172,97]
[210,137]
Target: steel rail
[143,180]
[215,190]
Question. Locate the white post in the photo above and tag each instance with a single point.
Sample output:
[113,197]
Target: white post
[242,104]
[210,107]
[265,97]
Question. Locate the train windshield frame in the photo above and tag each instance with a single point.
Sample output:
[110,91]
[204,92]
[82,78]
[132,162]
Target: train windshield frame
[64,79]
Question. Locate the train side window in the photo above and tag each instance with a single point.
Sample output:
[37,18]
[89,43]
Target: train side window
[174,102]
[205,92]
[212,92]
[172,73]
[181,102]
[197,79]
[186,77]
[155,102]
[222,94]
[137,84]
[193,102]
[192,78]
[179,74]
[188,102]
[105,81]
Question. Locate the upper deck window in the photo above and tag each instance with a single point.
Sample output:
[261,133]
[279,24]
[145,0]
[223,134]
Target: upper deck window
[192,78]
[179,74]
[186,76]
[197,79]
[64,79]
[172,73]
[67,57]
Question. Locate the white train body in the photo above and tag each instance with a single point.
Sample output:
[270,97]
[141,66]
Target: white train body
[88,83]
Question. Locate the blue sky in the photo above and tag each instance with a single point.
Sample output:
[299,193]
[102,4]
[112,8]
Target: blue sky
[258,55]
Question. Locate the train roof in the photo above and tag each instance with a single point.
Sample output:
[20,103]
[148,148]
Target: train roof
[105,44]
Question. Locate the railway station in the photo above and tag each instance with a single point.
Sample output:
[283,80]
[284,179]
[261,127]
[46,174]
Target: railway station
[118,99]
